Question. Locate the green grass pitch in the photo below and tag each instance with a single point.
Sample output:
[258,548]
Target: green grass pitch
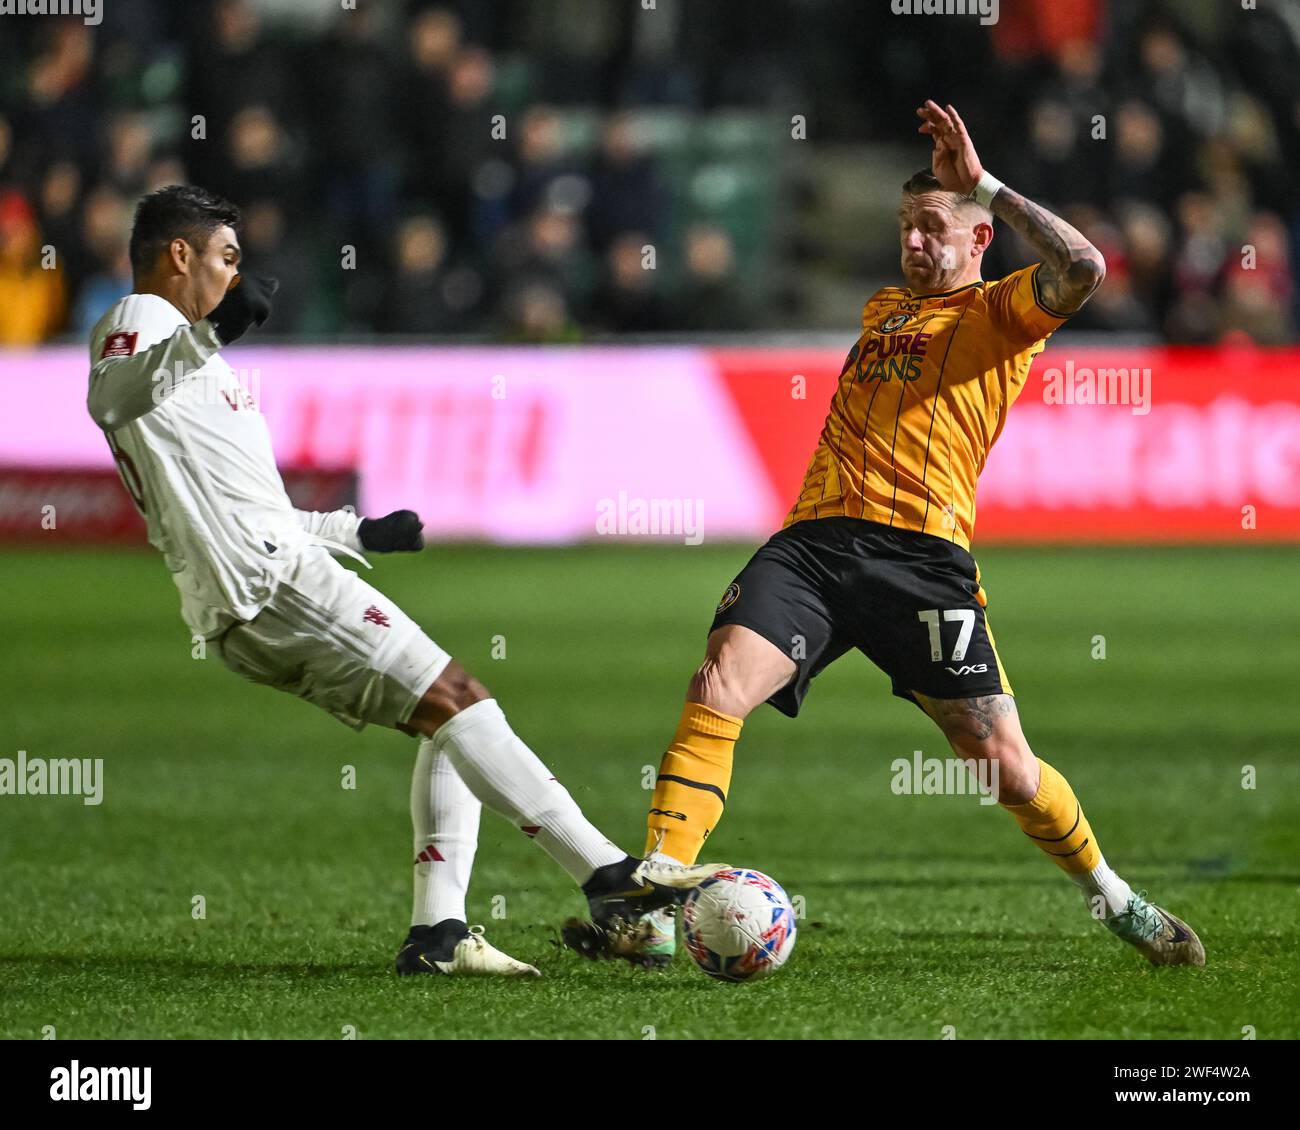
[923,914]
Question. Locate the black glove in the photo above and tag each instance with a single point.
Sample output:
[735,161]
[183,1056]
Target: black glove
[247,303]
[400,530]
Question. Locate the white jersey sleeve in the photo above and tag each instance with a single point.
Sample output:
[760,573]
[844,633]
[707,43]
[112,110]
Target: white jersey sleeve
[339,527]
[128,379]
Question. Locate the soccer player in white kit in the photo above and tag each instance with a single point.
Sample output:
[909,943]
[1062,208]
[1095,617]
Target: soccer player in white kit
[257,580]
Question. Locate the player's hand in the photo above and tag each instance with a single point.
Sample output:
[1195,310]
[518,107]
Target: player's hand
[398,531]
[247,303]
[953,160]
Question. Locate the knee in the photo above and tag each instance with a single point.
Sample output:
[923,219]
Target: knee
[1007,764]
[461,690]
[706,683]
[1017,777]
[455,690]
[715,686]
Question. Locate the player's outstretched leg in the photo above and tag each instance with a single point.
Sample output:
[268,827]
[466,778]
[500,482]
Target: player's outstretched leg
[464,723]
[445,819]
[741,669]
[1048,812]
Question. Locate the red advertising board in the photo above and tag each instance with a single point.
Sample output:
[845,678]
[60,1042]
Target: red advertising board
[1102,444]
[90,505]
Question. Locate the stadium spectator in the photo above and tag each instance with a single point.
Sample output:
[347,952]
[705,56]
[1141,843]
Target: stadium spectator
[353,111]
[260,162]
[268,243]
[548,248]
[60,108]
[423,295]
[130,149]
[433,46]
[710,297]
[31,294]
[57,204]
[453,163]
[627,301]
[537,313]
[1260,285]
[544,177]
[626,192]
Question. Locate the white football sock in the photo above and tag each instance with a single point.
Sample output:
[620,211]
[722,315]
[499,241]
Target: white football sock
[508,777]
[661,856]
[1101,880]
[445,818]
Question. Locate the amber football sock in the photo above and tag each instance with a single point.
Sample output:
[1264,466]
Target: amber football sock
[691,789]
[1054,820]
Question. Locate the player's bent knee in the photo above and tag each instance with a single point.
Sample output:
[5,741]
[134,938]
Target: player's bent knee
[740,671]
[719,686]
[1012,762]
[458,688]
[453,691]
[1018,774]
[709,687]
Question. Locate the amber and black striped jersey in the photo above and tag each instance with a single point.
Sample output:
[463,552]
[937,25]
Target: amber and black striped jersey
[923,396]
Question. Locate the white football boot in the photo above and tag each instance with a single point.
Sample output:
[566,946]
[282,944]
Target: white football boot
[472,956]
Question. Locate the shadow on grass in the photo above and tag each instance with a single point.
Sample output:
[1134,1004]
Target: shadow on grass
[1150,879]
[143,964]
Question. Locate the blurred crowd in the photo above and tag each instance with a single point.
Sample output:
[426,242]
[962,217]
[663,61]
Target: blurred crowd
[544,170]
[1193,191]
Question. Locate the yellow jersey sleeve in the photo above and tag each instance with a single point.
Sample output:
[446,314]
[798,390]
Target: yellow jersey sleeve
[1016,309]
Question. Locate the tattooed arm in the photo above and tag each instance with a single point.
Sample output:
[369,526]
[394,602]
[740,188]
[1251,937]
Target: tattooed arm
[1072,267]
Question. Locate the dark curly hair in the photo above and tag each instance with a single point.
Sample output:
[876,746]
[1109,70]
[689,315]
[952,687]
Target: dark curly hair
[182,211]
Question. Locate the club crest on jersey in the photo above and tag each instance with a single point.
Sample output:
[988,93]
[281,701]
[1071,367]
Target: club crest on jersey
[119,344]
[894,322]
[729,597]
[374,616]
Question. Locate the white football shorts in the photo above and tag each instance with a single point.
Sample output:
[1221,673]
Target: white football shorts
[331,638]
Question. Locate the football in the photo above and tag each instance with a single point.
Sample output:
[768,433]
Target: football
[739,925]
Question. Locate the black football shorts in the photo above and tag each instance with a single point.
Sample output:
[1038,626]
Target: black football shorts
[910,602]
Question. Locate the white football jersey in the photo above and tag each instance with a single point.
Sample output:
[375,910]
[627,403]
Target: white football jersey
[195,454]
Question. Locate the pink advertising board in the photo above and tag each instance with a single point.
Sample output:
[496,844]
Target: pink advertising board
[563,444]
[527,445]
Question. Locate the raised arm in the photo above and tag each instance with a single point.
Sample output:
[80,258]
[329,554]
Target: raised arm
[125,387]
[1072,267]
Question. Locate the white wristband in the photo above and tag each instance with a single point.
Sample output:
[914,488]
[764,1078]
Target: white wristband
[986,189]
